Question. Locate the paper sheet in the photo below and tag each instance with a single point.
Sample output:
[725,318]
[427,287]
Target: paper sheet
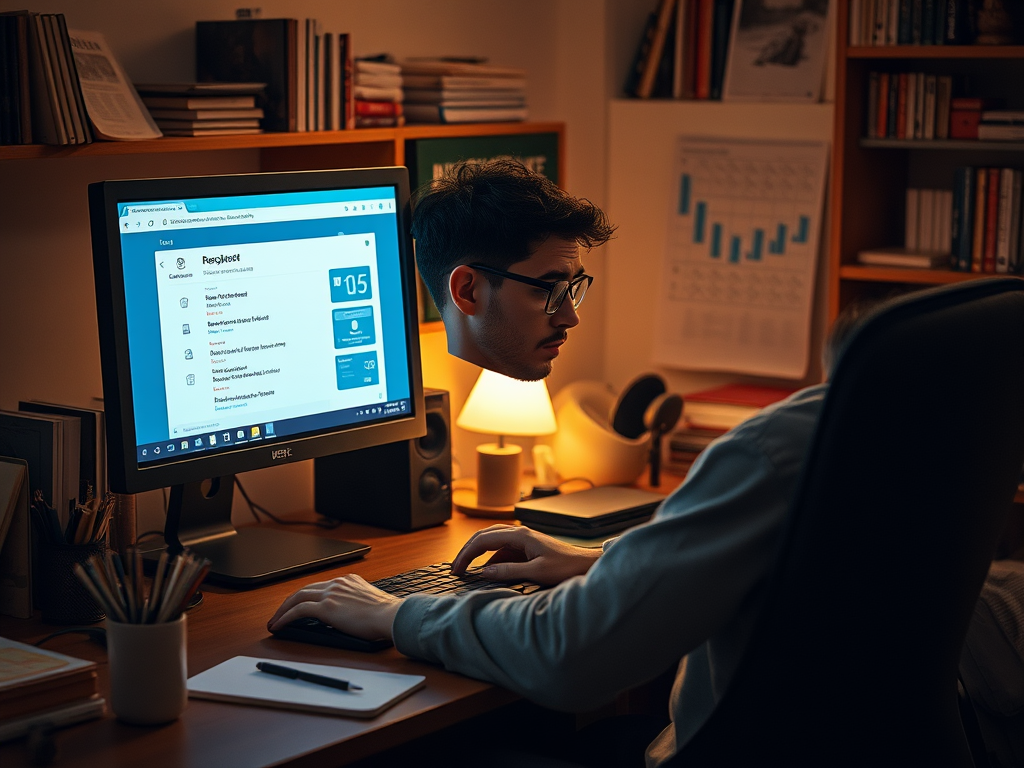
[115,109]
[741,254]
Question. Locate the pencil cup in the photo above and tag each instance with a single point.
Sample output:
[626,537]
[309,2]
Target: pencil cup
[147,671]
[62,597]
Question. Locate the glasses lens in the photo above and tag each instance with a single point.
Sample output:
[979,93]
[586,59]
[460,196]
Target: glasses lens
[578,290]
[557,296]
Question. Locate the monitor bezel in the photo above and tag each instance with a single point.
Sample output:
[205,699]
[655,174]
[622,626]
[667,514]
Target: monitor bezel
[125,474]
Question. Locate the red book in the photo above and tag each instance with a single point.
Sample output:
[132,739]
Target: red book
[705,31]
[882,121]
[963,123]
[988,263]
[378,108]
[901,107]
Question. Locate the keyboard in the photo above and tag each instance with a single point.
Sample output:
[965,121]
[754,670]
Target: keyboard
[438,579]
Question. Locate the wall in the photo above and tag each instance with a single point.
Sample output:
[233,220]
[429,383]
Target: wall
[48,338]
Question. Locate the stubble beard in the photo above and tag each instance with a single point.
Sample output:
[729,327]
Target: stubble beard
[505,347]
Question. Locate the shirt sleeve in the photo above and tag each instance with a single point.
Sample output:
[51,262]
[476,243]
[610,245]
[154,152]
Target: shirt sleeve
[662,589]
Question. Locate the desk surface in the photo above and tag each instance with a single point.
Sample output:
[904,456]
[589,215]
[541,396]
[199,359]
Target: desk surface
[234,623]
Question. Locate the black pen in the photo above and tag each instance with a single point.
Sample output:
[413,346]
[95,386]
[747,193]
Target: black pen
[309,677]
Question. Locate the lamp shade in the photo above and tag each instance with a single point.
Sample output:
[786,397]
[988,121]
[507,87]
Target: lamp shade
[499,405]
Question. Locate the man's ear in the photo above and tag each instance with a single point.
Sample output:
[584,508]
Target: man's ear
[464,289]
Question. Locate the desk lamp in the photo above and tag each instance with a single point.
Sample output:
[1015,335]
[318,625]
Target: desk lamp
[498,405]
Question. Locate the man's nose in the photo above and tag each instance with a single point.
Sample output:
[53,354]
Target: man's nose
[566,315]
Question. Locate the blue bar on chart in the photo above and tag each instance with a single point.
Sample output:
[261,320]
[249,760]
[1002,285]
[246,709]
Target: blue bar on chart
[684,195]
[803,230]
[778,245]
[698,222]
[755,250]
[734,250]
[716,240]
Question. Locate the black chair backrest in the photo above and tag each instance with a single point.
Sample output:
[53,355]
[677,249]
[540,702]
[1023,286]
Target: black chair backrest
[910,474]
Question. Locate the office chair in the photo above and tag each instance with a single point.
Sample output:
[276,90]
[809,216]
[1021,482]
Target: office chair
[907,482]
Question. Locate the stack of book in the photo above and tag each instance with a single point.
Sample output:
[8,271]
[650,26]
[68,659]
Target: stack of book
[683,51]
[42,687]
[928,238]
[986,220]
[41,99]
[203,109]
[439,91]
[378,94]
[1001,125]
[911,22]
[909,105]
[729,405]
[308,72]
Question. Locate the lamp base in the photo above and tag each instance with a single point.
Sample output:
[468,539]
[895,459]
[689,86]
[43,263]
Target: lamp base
[465,501]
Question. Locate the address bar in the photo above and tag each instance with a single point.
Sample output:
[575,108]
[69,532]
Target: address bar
[140,219]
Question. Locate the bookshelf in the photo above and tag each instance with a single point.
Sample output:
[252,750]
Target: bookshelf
[869,177]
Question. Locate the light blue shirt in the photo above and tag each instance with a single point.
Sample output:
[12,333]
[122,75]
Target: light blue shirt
[683,589]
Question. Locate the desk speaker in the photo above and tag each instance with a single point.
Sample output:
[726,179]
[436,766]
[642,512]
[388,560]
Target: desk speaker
[403,486]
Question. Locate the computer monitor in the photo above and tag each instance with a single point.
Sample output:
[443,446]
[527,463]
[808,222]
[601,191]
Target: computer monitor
[249,321]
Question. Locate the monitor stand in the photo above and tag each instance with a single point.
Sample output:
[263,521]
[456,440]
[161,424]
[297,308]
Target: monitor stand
[200,519]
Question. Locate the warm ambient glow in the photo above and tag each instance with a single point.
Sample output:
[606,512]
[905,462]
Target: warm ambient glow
[498,405]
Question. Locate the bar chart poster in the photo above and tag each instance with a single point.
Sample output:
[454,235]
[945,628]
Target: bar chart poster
[738,275]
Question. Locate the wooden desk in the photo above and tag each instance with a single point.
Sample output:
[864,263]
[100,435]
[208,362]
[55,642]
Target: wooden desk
[235,623]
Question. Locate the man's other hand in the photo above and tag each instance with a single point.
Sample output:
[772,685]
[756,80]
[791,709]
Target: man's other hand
[522,553]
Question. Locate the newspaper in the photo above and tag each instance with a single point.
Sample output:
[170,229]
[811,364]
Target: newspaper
[115,109]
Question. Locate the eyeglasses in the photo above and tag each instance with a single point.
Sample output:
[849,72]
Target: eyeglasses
[576,288]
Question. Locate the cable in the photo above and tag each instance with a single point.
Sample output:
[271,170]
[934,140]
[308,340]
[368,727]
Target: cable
[97,634]
[253,507]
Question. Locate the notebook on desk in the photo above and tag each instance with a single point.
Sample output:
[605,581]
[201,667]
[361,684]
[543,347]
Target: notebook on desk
[237,680]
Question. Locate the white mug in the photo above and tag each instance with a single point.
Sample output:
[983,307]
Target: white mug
[148,671]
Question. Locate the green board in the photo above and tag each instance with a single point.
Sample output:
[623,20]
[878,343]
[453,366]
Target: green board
[429,158]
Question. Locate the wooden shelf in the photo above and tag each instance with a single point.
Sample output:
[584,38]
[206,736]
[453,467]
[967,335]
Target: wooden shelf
[936,52]
[919,276]
[973,145]
[270,140]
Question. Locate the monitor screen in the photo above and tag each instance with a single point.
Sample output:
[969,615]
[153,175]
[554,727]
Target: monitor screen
[252,320]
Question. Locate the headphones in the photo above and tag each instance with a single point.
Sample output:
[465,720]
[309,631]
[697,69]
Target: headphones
[645,405]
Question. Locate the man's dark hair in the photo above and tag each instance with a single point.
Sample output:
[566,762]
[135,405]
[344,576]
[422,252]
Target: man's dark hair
[496,213]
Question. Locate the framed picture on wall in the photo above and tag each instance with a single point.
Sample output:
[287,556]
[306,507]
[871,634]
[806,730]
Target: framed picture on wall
[778,50]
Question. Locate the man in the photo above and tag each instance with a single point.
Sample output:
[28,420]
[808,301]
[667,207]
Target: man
[683,589]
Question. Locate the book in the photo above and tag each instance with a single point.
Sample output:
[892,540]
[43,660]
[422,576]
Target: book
[434,66]
[930,83]
[1002,116]
[206,114]
[1000,132]
[167,124]
[34,679]
[943,97]
[374,66]
[200,89]
[988,263]
[58,717]
[925,220]
[911,219]
[50,445]
[379,121]
[721,26]
[682,60]
[919,112]
[254,51]
[211,131]
[903,257]
[458,83]
[373,93]
[978,229]
[378,108]
[643,53]
[728,405]
[645,86]
[200,102]
[1009,209]
[15,539]
[963,217]
[704,32]
[439,95]
[92,471]
[378,81]
[237,680]
[431,113]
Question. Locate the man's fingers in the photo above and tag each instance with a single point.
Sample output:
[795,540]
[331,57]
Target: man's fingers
[489,540]
[298,611]
[507,554]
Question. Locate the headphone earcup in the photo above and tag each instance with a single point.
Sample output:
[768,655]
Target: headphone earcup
[627,415]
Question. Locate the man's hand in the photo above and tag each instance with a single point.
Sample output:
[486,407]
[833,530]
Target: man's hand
[522,553]
[348,604]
